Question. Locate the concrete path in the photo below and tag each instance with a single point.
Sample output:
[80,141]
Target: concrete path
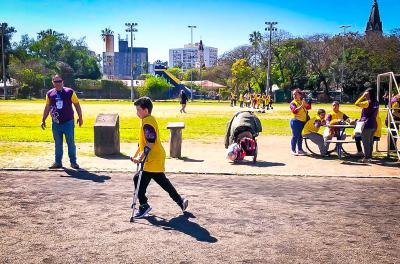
[274,158]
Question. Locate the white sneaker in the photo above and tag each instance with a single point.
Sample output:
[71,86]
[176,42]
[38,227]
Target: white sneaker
[184,205]
[294,153]
[301,153]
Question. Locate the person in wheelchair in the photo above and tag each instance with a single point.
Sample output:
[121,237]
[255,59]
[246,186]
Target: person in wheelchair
[311,129]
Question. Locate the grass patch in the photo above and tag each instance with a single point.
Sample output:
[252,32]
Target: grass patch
[20,120]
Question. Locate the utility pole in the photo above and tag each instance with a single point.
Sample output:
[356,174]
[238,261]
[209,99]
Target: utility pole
[343,27]
[191,33]
[131,28]
[3,28]
[270,27]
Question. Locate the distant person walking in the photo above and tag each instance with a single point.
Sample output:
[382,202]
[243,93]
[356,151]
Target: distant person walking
[183,100]
[59,102]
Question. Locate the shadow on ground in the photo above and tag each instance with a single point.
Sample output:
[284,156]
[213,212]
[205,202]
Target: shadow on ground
[259,163]
[186,159]
[183,224]
[82,174]
[119,156]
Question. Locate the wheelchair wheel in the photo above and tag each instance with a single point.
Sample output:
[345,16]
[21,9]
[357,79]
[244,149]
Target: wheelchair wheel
[255,154]
[314,149]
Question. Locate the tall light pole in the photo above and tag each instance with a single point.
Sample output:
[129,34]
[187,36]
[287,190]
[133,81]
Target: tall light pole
[191,33]
[270,27]
[343,27]
[3,28]
[130,27]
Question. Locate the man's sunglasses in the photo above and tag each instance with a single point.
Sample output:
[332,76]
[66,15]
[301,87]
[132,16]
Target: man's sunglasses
[58,81]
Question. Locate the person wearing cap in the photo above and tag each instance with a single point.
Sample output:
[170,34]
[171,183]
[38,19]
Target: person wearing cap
[299,109]
[59,102]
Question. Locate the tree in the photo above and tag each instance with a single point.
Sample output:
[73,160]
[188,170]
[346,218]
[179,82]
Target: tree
[241,74]
[255,40]
[319,59]
[290,69]
[154,87]
[106,32]
[192,74]
[177,72]
[48,32]
[30,76]
[8,32]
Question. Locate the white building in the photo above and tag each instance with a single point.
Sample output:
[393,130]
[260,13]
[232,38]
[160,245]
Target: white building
[188,57]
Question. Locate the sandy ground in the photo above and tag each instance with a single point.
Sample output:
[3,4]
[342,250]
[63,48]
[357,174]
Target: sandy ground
[83,217]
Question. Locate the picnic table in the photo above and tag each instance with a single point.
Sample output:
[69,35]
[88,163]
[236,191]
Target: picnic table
[338,139]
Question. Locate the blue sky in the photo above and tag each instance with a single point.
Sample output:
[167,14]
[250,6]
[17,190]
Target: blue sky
[163,23]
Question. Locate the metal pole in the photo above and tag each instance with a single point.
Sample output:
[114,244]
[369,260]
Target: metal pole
[3,61]
[270,28]
[191,33]
[191,84]
[131,28]
[131,66]
[269,61]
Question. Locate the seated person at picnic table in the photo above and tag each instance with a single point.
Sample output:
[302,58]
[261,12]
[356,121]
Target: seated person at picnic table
[311,129]
[335,117]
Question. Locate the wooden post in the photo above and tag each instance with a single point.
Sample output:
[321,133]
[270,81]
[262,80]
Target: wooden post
[175,142]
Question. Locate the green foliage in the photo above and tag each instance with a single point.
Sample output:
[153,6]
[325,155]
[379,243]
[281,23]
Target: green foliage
[154,87]
[56,53]
[241,74]
[193,74]
[177,72]
[8,32]
[86,84]
[113,85]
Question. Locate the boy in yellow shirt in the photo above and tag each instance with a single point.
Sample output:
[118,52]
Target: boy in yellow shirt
[154,165]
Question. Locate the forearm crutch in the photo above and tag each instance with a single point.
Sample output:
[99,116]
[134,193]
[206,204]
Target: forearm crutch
[139,170]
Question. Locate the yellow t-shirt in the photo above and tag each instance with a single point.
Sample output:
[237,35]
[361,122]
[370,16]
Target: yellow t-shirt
[310,127]
[335,117]
[301,115]
[155,161]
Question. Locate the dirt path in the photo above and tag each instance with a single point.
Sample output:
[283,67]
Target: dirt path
[82,217]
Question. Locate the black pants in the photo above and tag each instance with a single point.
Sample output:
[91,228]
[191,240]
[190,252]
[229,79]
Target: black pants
[160,179]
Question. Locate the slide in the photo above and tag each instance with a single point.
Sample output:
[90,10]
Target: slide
[178,86]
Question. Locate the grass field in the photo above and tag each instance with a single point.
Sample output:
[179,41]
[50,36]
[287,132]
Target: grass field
[20,120]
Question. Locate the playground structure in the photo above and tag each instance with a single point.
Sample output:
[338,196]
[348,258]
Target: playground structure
[392,124]
[161,71]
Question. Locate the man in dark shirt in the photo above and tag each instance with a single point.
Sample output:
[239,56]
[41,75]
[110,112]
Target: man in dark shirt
[59,102]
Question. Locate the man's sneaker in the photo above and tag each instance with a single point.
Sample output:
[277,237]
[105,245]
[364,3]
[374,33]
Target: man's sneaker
[301,153]
[75,166]
[55,165]
[143,211]
[184,204]
[294,153]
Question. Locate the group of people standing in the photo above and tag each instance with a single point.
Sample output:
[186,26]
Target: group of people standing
[252,100]
[304,126]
